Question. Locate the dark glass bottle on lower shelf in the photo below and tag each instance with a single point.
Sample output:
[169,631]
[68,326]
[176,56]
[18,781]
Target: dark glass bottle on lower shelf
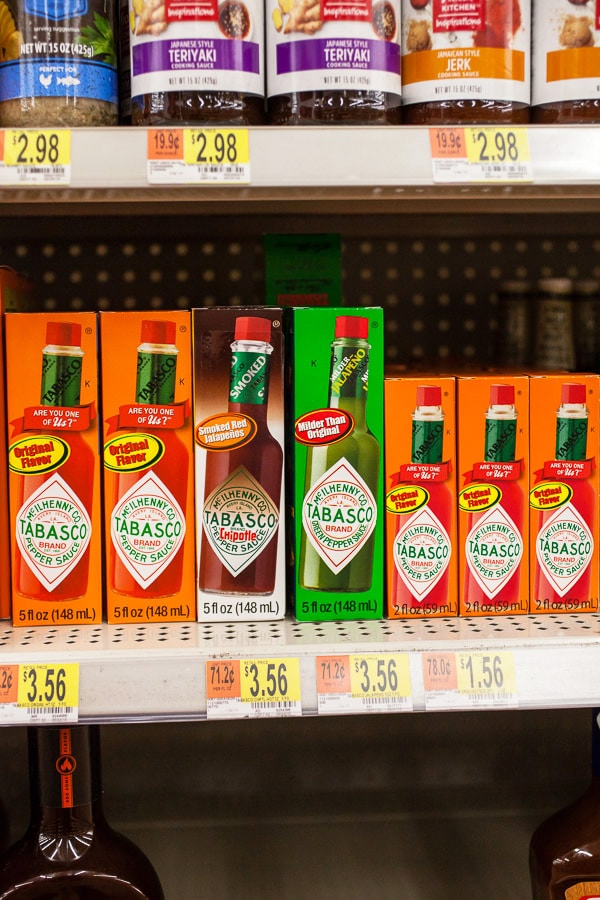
[564,855]
[69,852]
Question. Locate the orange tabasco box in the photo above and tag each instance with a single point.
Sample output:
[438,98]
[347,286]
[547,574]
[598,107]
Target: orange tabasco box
[54,477]
[493,446]
[148,473]
[563,494]
[420,498]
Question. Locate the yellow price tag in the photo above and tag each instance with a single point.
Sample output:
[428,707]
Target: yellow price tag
[497,146]
[270,681]
[380,675]
[52,685]
[485,673]
[35,147]
[216,147]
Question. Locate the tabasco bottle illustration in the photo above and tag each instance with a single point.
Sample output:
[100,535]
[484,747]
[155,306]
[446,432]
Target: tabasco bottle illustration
[422,508]
[55,466]
[242,474]
[150,462]
[339,509]
[566,500]
[494,501]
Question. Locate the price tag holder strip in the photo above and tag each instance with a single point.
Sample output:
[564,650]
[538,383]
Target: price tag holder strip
[47,693]
[198,156]
[481,154]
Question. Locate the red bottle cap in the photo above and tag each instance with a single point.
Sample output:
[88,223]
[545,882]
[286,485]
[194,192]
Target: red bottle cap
[156,331]
[252,328]
[63,334]
[429,395]
[502,395]
[352,327]
[573,393]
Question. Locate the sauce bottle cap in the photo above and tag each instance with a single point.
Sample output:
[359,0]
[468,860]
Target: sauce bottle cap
[502,395]
[429,395]
[156,331]
[573,393]
[352,327]
[63,334]
[252,328]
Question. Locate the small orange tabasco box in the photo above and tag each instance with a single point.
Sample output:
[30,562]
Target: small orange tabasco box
[493,413]
[563,493]
[54,478]
[420,496]
[148,466]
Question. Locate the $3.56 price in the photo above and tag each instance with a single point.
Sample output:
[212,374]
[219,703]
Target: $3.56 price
[380,674]
[270,680]
[49,685]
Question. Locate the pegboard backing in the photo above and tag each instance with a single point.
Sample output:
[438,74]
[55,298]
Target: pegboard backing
[437,280]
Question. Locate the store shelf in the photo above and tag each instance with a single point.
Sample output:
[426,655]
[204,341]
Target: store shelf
[150,672]
[311,168]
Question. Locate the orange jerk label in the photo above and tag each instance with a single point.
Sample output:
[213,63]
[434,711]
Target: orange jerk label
[585,890]
[462,63]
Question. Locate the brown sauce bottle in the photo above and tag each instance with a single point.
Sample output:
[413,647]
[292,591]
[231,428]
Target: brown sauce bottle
[464,68]
[564,854]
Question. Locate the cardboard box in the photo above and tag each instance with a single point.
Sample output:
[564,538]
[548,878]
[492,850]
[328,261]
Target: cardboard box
[493,447]
[239,437]
[420,501]
[336,463]
[563,493]
[54,480]
[148,466]
[303,269]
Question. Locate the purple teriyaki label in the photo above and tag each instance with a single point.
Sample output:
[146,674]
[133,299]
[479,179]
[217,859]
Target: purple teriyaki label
[172,56]
[338,53]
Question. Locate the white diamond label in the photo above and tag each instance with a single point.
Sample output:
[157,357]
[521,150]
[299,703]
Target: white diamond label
[422,552]
[53,531]
[147,529]
[564,548]
[339,514]
[239,520]
[494,549]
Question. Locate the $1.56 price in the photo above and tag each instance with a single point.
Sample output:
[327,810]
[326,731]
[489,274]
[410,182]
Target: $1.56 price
[486,673]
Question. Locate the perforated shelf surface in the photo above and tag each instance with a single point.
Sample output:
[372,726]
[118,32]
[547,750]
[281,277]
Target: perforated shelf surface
[158,671]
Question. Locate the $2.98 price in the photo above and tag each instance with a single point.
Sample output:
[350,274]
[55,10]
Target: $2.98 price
[37,148]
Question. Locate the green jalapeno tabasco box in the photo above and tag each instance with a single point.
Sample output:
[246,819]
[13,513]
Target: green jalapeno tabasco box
[239,437]
[335,434]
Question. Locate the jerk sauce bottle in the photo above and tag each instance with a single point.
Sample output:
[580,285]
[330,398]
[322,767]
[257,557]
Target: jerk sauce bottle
[242,486]
[564,853]
[53,523]
[69,852]
[147,519]
[422,505]
[494,543]
[339,510]
[564,540]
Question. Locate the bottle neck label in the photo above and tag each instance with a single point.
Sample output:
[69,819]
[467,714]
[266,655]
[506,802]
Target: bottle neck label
[421,552]
[427,441]
[65,772]
[53,530]
[339,514]
[349,376]
[61,380]
[500,440]
[239,520]
[564,547]
[494,550]
[249,382]
[571,438]
[147,528]
[155,382]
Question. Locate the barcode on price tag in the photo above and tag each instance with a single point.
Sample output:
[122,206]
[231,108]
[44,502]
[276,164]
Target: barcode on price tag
[247,688]
[39,694]
[482,154]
